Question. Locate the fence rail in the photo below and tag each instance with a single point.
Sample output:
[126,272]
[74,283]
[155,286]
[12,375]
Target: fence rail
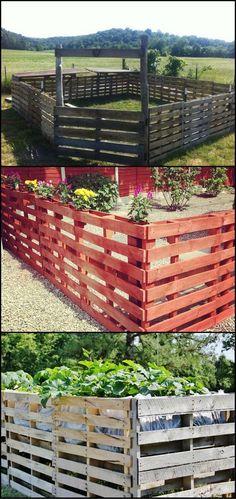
[176,275]
[94,447]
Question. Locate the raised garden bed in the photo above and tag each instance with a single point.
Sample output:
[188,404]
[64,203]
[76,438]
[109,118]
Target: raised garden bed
[97,447]
[173,275]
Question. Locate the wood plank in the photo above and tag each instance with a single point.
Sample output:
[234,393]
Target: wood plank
[170,435]
[211,490]
[98,52]
[99,113]
[185,405]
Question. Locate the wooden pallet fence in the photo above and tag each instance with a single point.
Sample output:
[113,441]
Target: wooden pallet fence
[35,106]
[68,449]
[175,275]
[188,460]
[107,135]
[80,254]
[191,273]
[174,127]
[94,447]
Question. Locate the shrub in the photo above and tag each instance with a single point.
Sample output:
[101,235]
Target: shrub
[217,181]
[177,184]
[140,207]
[105,188]
[154,61]
[174,66]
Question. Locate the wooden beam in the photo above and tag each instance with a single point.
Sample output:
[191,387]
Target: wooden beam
[59,81]
[144,91]
[120,53]
[63,172]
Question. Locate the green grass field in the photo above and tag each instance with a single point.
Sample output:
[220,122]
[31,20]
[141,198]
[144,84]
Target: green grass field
[26,60]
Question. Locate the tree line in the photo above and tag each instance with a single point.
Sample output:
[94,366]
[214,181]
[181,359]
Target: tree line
[165,43]
[186,354]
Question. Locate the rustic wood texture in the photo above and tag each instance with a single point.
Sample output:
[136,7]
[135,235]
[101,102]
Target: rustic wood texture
[208,112]
[63,461]
[181,285]
[189,460]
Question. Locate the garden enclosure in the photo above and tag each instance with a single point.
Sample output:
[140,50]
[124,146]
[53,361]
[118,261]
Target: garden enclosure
[186,113]
[128,447]
[173,275]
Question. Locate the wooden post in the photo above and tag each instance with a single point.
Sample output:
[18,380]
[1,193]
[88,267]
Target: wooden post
[59,82]
[123,64]
[144,92]
[63,172]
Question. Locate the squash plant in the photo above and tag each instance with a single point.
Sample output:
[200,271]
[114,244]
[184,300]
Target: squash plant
[102,379]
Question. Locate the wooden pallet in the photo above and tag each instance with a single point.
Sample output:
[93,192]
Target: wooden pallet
[127,461]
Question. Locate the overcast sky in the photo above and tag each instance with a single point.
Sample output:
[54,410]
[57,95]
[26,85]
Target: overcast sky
[63,18]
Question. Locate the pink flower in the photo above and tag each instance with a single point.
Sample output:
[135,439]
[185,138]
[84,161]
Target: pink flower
[150,195]
[137,191]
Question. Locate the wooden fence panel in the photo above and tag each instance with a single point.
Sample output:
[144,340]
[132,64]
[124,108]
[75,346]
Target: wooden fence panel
[106,135]
[188,460]
[182,303]
[174,127]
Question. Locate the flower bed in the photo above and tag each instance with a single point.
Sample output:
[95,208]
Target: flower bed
[175,275]
[130,457]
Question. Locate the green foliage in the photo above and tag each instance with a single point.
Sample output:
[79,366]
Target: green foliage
[174,66]
[190,46]
[45,189]
[154,61]
[106,190]
[100,378]
[216,182]
[225,371]
[140,208]
[63,190]
[198,72]
[177,185]
[184,355]
[228,341]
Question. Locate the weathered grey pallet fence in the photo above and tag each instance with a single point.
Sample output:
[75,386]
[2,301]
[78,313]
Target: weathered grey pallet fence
[106,135]
[35,106]
[111,453]
[174,127]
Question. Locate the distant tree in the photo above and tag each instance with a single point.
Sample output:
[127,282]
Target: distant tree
[225,374]
[228,341]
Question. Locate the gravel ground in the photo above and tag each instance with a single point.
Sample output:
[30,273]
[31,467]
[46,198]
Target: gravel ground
[31,303]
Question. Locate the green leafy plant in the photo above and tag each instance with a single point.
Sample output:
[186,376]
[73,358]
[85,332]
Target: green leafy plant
[45,189]
[106,190]
[13,180]
[154,61]
[177,185]
[100,378]
[174,66]
[141,206]
[216,182]
[64,191]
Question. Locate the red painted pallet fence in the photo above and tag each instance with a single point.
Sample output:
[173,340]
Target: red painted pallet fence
[174,275]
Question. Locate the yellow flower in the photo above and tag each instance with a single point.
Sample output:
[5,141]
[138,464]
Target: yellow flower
[85,193]
[31,182]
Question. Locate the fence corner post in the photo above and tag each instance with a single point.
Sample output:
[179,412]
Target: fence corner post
[144,90]
[59,81]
